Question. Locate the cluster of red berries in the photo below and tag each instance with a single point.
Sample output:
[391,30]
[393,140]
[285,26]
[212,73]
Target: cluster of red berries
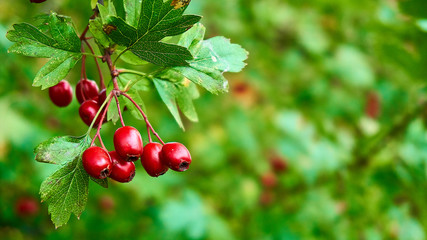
[87,93]
[118,165]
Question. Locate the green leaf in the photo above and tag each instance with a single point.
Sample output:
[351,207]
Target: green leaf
[112,113]
[132,9]
[157,20]
[66,190]
[131,58]
[138,85]
[179,94]
[212,58]
[101,182]
[62,47]
[416,8]
[95,27]
[60,150]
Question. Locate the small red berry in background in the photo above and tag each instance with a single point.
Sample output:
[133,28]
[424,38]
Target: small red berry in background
[61,94]
[278,164]
[128,143]
[97,162]
[87,112]
[86,90]
[37,1]
[373,105]
[176,156]
[266,198]
[269,180]
[150,160]
[27,207]
[106,203]
[123,171]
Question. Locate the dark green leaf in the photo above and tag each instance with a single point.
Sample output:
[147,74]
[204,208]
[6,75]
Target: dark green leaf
[66,190]
[101,182]
[63,48]
[157,20]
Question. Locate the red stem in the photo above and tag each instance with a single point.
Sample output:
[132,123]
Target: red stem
[98,131]
[100,141]
[120,111]
[149,134]
[101,78]
[144,116]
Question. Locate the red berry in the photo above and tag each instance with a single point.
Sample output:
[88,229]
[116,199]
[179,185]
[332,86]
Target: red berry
[278,164]
[37,1]
[123,171]
[102,96]
[373,105]
[26,207]
[269,180]
[176,156]
[86,90]
[150,160]
[128,143]
[266,198]
[106,203]
[97,162]
[61,94]
[88,112]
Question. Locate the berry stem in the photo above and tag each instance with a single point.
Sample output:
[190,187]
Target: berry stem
[113,70]
[101,78]
[119,110]
[149,134]
[106,104]
[144,116]
[100,141]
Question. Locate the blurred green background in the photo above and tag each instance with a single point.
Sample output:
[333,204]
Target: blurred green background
[322,136]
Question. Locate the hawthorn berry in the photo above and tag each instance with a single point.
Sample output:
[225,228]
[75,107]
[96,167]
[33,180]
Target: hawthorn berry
[269,180]
[176,156]
[26,207]
[37,1]
[97,162]
[88,112]
[86,90]
[106,203]
[123,171]
[373,105]
[102,96]
[150,160]
[128,143]
[61,94]
[278,164]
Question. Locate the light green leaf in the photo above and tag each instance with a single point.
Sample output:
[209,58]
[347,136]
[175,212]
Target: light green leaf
[95,27]
[166,90]
[180,94]
[112,113]
[138,85]
[212,58]
[60,150]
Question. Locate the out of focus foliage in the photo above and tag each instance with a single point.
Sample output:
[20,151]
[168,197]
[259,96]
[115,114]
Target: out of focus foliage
[334,88]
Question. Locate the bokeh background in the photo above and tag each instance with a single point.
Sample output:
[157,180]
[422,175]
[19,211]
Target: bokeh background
[322,136]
